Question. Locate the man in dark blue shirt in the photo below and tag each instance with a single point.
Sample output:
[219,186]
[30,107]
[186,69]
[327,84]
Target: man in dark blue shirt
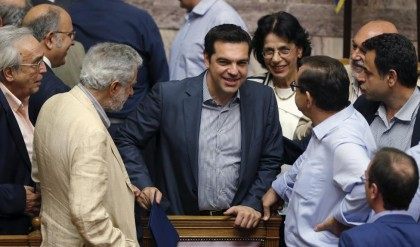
[116,21]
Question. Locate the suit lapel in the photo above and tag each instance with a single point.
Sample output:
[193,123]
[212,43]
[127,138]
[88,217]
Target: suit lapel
[15,131]
[247,128]
[192,117]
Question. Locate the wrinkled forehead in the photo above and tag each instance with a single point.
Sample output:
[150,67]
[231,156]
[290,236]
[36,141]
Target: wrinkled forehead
[65,23]
[29,48]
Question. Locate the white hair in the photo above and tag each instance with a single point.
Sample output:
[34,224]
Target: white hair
[9,36]
[12,14]
[108,62]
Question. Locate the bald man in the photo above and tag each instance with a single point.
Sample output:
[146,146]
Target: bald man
[13,11]
[53,28]
[367,31]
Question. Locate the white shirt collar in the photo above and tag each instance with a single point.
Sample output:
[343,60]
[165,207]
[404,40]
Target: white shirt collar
[47,61]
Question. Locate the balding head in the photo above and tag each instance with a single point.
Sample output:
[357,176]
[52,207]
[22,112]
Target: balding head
[372,29]
[367,31]
[52,26]
[13,11]
[392,180]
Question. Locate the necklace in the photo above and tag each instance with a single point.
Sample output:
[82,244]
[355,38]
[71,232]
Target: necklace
[269,78]
[282,98]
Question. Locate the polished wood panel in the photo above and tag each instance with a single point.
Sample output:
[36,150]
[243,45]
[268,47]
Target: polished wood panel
[190,228]
[220,228]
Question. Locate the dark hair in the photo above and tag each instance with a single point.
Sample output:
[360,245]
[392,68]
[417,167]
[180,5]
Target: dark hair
[283,25]
[396,52]
[326,79]
[228,33]
[397,177]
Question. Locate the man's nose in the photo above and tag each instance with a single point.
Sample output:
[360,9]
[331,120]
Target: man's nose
[233,69]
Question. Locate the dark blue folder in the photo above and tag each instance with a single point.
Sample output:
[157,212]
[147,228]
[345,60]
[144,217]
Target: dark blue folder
[162,229]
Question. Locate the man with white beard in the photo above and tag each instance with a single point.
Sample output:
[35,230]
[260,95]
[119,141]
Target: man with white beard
[82,177]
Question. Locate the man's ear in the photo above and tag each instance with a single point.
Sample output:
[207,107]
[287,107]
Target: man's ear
[49,40]
[392,78]
[207,59]
[374,191]
[113,88]
[309,100]
[8,74]
[1,22]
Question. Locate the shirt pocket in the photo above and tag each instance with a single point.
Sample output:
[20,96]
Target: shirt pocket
[309,182]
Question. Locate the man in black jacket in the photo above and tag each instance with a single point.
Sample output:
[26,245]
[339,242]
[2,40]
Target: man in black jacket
[53,28]
[390,99]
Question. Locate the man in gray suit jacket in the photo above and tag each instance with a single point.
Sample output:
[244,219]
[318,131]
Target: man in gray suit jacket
[219,139]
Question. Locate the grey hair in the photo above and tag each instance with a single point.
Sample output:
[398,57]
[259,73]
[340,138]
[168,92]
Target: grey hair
[12,14]
[44,24]
[108,62]
[9,35]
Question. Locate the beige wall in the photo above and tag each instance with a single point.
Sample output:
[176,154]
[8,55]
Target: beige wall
[317,16]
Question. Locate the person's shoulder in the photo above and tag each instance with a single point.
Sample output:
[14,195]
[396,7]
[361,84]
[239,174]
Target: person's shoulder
[222,10]
[363,232]
[130,10]
[186,84]
[254,84]
[256,90]
[56,84]
[223,5]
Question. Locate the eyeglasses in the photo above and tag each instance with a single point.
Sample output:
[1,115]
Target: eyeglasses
[35,66]
[293,86]
[268,53]
[71,34]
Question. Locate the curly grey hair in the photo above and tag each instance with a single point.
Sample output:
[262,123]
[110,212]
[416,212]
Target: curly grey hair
[108,62]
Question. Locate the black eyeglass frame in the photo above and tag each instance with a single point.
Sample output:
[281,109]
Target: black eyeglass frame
[294,86]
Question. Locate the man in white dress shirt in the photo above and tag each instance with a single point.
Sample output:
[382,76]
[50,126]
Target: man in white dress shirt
[324,187]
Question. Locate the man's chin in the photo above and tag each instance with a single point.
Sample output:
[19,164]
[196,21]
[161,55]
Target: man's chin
[370,97]
[35,90]
[113,108]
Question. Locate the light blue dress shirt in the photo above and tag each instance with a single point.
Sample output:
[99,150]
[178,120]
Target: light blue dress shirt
[187,51]
[375,216]
[326,181]
[219,156]
[414,209]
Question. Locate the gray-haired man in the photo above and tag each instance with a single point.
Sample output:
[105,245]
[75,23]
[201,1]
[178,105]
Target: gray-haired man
[21,69]
[78,165]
